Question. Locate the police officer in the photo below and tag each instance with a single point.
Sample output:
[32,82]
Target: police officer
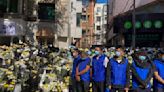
[83,73]
[99,64]
[76,56]
[118,72]
[159,73]
[142,72]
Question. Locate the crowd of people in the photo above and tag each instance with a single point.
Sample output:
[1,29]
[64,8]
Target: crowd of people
[28,68]
[118,69]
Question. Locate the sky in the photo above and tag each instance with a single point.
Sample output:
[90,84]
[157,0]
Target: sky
[85,2]
[101,1]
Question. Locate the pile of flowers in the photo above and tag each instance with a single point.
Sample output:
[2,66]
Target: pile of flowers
[34,69]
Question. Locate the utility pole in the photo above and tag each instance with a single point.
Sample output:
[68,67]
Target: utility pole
[134,29]
[69,23]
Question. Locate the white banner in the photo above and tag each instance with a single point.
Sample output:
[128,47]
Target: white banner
[11,27]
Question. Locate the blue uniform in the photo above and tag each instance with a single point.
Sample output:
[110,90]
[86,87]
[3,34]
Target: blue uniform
[142,73]
[82,65]
[98,68]
[75,63]
[160,69]
[119,73]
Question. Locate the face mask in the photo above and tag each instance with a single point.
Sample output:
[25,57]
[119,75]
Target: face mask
[97,52]
[118,53]
[142,58]
[82,58]
[163,58]
[89,52]
[74,54]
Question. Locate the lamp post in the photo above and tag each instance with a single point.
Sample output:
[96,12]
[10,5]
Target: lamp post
[134,29]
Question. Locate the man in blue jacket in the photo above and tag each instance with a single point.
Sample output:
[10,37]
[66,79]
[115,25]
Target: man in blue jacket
[83,73]
[76,56]
[159,73]
[118,72]
[99,63]
[142,72]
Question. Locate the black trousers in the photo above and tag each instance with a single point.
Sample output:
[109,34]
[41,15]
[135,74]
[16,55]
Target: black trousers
[83,86]
[117,90]
[158,89]
[142,90]
[98,87]
[74,85]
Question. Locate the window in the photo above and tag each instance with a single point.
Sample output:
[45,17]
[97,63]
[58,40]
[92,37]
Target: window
[98,28]
[83,17]
[11,5]
[105,25]
[3,6]
[98,9]
[83,32]
[105,8]
[46,11]
[98,19]
[105,17]
[78,18]
[98,37]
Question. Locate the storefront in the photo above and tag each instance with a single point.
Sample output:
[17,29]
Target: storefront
[149,29]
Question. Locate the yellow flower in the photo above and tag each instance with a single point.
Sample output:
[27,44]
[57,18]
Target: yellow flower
[11,88]
[5,85]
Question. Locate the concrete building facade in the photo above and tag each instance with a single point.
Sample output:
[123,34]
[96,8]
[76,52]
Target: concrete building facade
[28,18]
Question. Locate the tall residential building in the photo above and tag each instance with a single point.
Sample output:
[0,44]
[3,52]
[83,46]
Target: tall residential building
[100,22]
[149,23]
[87,23]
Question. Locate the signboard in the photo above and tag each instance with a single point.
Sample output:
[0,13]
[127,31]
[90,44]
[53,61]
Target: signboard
[149,23]
[144,39]
[11,27]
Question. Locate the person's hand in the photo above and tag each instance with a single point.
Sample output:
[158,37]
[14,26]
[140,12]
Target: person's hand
[110,87]
[77,74]
[78,78]
[163,82]
[126,89]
